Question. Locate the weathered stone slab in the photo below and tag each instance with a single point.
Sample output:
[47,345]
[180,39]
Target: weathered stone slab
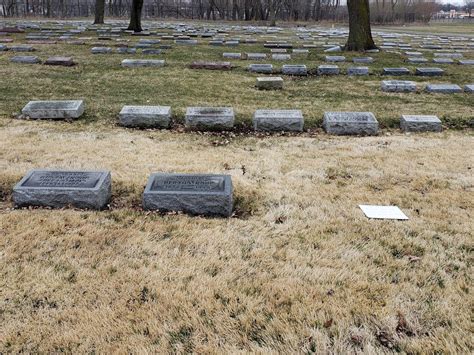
[195,194]
[145,116]
[232,55]
[429,71]
[212,118]
[125,50]
[396,71]
[358,71]
[137,63]
[69,109]
[335,58]
[3,48]
[417,60]
[328,70]
[22,48]
[281,57]
[398,86]
[448,55]
[256,56]
[443,61]
[334,49]
[443,88]
[61,61]
[350,123]
[467,62]
[207,195]
[261,68]
[59,189]
[25,59]
[269,83]
[469,88]
[367,60]
[297,70]
[420,123]
[211,65]
[300,52]
[278,120]
[101,50]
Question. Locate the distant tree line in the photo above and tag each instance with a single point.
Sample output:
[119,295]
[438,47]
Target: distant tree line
[382,11]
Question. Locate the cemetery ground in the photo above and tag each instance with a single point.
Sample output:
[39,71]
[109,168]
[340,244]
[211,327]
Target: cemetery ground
[298,268]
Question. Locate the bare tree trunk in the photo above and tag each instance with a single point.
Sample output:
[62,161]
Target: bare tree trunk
[99,11]
[360,34]
[136,16]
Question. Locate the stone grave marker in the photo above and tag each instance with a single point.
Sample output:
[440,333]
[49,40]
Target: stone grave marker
[269,83]
[60,61]
[101,50]
[59,189]
[335,58]
[328,70]
[366,60]
[212,118]
[25,59]
[396,71]
[68,109]
[443,88]
[136,63]
[297,70]
[429,71]
[211,65]
[195,194]
[358,71]
[261,68]
[398,86]
[278,120]
[145,116]
[350,123]
[420,123]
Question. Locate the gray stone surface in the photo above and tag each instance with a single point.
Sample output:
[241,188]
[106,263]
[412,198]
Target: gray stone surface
[256,56]
[448,55]
[261,68]
[59,109]
[207,195]
[60,61]
[334,49]
[294,69]
[429,71]
[443,61]
[350,123]
[145,116]
[270,83]
[335,58]
[420,123]
[396,71]
[101,50]
[443,88]
[3,48]
[211,65]
[398,86]
[59,189]
[232,55]
[22,48]
[366,60]
[212,118]
[152,51]
[136,63]
[126,50]
[469,88]
[417,60]
[467,62]
[278,120]
[281,57]
[25,59]
[328,70]
[358,71]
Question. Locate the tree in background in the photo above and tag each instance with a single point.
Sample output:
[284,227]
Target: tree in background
[136,16]
[360,33]
[469,6]
[99,12]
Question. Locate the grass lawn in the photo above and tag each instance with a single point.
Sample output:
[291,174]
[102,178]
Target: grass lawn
[298,268]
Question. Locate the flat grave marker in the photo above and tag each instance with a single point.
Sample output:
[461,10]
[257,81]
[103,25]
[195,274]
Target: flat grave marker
[59,189]
[196,194]
[55,109]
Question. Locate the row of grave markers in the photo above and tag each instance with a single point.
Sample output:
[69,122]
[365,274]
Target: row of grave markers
[222,118]
[194,194]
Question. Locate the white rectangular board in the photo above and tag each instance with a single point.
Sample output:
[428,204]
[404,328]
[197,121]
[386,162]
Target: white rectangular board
[383,212]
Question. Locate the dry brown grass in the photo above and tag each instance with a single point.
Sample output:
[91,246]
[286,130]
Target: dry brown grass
[299,270]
